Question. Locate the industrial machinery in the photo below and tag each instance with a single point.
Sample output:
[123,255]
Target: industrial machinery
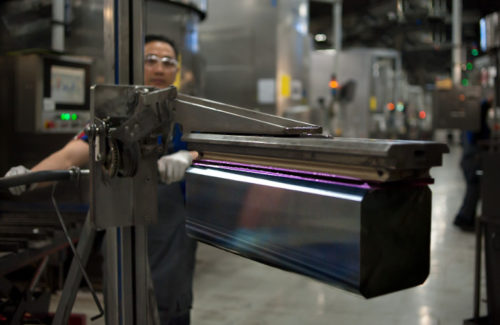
[354,213]
[349,212]
[33,245]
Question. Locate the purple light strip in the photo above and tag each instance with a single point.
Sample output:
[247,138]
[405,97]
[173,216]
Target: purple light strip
[307,175]
[280,169]
[251,169]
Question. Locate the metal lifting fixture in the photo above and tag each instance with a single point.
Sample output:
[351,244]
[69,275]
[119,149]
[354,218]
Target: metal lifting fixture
[354,213]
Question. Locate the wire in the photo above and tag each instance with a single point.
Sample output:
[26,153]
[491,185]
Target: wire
[77,256]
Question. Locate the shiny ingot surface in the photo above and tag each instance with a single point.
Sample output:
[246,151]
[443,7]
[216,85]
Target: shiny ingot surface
[364,239]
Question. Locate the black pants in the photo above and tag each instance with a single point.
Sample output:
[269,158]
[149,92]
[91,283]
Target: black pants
[177,320]
[171,257]
[470,164]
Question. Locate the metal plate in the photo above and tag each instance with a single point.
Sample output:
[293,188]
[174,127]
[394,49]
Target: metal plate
[382,156]
[120,201]
[368,240]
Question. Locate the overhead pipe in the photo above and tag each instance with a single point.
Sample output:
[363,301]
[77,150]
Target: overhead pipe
[337,32]
[58,25]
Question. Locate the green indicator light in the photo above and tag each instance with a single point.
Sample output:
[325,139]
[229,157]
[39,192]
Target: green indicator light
[74,117]
[400,107]
[469,66]
[475,52]
[465,82]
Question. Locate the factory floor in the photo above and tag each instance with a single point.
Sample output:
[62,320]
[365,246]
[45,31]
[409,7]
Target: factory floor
[229,289]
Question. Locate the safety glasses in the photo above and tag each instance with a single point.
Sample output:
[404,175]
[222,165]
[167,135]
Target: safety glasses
[153,59]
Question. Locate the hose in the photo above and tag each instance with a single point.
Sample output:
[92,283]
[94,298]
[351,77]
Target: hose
[56,175]
[42,176]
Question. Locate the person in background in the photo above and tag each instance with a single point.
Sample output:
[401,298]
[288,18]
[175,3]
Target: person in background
[471,164]
[171,252]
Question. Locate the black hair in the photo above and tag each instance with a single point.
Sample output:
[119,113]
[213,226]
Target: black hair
[161,38]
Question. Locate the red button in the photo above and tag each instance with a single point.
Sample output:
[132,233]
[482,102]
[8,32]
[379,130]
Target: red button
[49,124]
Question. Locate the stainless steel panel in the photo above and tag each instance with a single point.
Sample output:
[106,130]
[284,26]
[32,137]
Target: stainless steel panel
[238,42]
[245,42]
[364,239]
[230,55]
[25,24]
[85,35]
[293,48]
[137,23]
[29,91]
[321,69]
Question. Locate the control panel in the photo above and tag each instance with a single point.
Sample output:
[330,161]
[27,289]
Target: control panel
[52,93]
[63,121]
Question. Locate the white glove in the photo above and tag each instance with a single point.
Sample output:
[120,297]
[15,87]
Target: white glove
[172,167]
[17,171]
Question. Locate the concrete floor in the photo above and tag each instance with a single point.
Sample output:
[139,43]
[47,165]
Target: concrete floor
[229,289]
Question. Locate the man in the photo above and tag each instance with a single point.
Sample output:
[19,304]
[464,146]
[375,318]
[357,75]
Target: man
[470,164]
[171,252]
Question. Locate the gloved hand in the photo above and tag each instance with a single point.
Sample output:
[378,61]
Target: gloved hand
[17,171]
[172,167]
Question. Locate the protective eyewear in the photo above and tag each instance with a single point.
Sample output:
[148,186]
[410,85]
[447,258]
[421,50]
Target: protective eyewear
[153,59]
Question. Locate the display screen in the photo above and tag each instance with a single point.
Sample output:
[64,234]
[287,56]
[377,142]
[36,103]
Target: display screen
[67,85]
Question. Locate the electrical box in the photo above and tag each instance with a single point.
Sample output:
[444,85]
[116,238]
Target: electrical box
[457,108]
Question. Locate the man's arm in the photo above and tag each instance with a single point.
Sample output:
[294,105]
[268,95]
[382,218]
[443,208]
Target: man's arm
[74,153]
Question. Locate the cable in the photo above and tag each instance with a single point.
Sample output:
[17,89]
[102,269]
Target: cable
[77,256]
[42,176]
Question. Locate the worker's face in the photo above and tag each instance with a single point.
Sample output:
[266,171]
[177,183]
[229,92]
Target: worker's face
[160,65]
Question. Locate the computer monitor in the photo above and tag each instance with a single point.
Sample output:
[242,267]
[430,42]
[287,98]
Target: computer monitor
[67,84]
